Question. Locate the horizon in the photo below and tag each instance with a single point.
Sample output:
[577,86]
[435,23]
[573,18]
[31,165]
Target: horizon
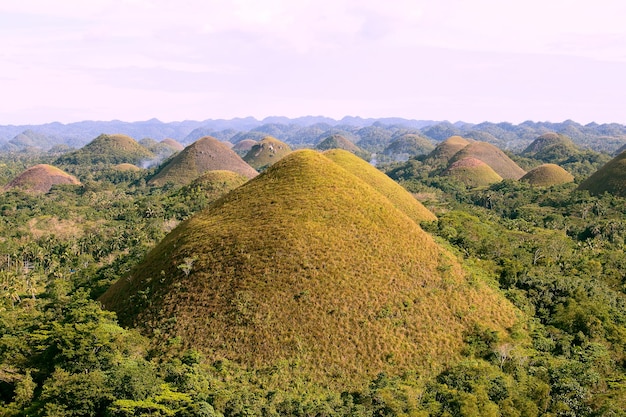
[265,120]
[477,61]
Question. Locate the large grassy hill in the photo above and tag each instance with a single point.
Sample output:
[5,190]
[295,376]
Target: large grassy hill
[310,266]
[205,154]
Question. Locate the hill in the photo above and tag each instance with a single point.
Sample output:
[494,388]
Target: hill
[40,178]
[408,145]
[266,152]
[443,153]
[242,147]
[551,147]
[308,265]
[610,178]
[172,144]
[336,141]
[108,149]
[205,154]
[400,197]
[472,172]
[546,175]
[126,168]
[492,156]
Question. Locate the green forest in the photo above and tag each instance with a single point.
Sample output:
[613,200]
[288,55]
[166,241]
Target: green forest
[553,253]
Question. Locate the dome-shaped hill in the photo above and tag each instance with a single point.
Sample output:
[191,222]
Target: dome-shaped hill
[242,147]
[551,147]
[40,178]
[126,168]
[172,144]
[400,197]
[492,156]
[310,265]
[472,172]
[266,152]
[205,154]
[443,152]
[610,178]
[409,145]
[108,149]
[337,141]
[546,175]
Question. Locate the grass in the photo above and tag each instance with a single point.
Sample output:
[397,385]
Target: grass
[401,198]
[472,172]
[546,175]
[266,152]
[205,154]
[309,265]
[40,178]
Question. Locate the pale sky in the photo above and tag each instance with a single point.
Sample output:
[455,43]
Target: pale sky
[472,60]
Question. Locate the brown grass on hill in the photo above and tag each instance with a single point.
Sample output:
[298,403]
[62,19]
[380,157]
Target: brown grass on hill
[205,154]
[472,172]
[492,156]
[443,152]
[266,152]
[40,178]
[244,145]
[546,175]
[610,178]
[399,196]
[175,145]
[125,167]
[309,265]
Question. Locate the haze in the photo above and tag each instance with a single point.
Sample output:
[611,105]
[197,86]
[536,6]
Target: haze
[477,60]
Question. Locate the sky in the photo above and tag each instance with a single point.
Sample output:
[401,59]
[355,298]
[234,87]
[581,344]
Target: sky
[456,60]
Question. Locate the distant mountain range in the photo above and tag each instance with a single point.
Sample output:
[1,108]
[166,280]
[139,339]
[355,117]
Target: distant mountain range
[374,134]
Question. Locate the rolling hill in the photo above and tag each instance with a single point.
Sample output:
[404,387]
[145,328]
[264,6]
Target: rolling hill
[310,266]
[205,154]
